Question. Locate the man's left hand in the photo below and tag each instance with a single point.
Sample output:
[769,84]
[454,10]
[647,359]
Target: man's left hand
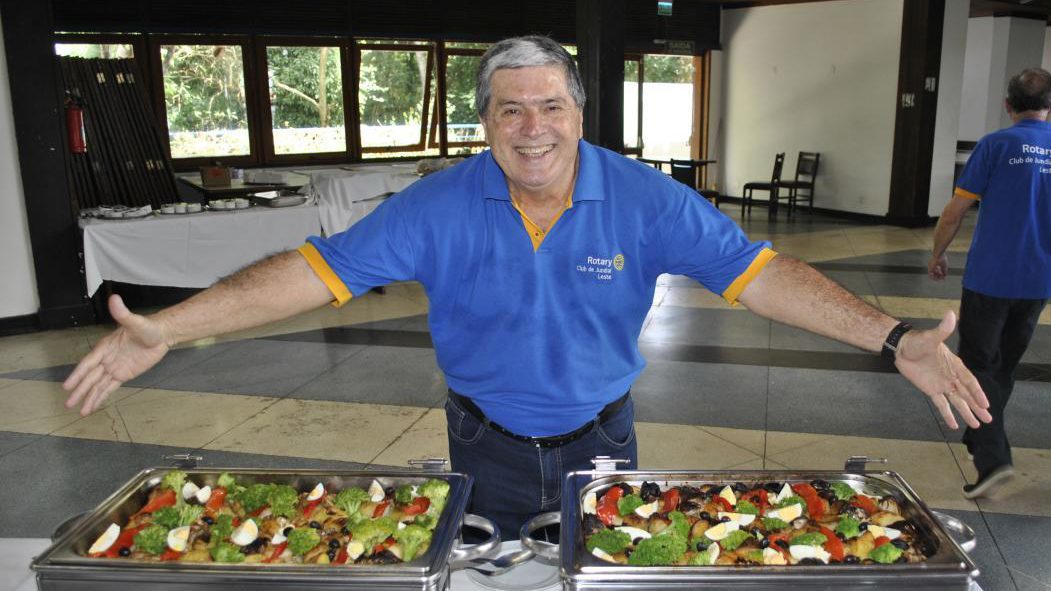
[925,361]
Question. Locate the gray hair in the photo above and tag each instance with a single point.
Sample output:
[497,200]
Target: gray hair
[1029,90]
[524,52]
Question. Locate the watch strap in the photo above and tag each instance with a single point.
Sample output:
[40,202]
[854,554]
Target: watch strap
[890,345]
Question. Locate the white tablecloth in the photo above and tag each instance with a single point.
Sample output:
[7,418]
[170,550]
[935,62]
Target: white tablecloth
[345,195]
[190,250]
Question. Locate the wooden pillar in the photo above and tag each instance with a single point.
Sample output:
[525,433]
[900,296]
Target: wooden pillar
[37,104]
[917,105]
[600,56]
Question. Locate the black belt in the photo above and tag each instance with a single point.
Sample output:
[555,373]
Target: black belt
[552,441]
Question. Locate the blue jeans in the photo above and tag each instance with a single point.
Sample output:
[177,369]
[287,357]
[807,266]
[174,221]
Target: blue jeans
[515,480]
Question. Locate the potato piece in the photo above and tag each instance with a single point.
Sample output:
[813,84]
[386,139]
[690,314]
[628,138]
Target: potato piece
[698,529]
[885,518]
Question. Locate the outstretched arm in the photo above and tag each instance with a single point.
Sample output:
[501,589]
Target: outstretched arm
[277,287]
[948,225]
[790,291]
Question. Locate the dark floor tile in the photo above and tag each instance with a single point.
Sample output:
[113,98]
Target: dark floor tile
[11,441]
[699,394]
[261,367]
[1023,541]
[855,282]
[995,575]
[416,323]
[917,259]
[795,339]
[1028,414]
[695,326]
[56,477]
[915,286]
[381,375]
[863,404]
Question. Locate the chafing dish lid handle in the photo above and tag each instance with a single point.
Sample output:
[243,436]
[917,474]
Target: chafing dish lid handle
[858,464]
[183,460]
[430,464]
[606,463]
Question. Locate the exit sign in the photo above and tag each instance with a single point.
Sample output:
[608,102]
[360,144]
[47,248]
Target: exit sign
[664,7]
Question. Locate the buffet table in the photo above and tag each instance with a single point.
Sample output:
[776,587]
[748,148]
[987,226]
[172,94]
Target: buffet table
[347,194]
[190,250]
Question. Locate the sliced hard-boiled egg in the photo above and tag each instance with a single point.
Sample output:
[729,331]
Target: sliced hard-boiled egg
[590,503]
[801,551]
[771,556]
[178,538]
[646,510]
[279,537]
[786,491]
[600,553]
[721,530]
[317,493]
[376,493]
[890,532]
[189,491]
[246,533]
[713,552]
[355,549]
[203,494]
[401,524]
[634,532]
[742,519]
[395,549]
[728,494]
[105,540]
[786,514]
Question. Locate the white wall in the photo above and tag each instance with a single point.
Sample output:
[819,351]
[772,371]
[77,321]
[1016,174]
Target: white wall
[818,77]
[1046,62]
[716,122]
[975,91]
[946,125]
[18,294]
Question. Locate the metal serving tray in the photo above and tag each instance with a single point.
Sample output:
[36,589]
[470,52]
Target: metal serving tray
[64,566]
[949,567]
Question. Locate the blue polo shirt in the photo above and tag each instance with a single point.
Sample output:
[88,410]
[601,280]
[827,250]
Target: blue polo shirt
[540,339]
[1010,171]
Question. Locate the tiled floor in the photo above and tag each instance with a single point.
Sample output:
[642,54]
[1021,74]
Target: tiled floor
[724,389]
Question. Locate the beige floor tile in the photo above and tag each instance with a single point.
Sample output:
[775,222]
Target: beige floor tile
[424,439]
[31,406]
[1026,494]
[4,383]
[933,308]
[778,442]
[664,447]
[753,464]
[929,467]
[186,419]
[324,430]
[105,424]
[48,348]
[750,439]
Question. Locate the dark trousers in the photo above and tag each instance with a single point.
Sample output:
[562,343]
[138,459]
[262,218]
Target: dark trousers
[994,334]
[515,480]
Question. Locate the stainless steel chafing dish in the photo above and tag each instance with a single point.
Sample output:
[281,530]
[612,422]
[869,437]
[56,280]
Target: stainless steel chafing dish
[65,566]
[948,567]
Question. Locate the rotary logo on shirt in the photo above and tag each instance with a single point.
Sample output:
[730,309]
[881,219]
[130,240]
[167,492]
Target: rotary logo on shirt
[601,268]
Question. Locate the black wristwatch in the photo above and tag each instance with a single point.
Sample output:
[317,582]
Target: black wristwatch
[890,345]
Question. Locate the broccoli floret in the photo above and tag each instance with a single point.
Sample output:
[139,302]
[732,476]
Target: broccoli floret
[282,500]
[627,505]
[403,494]
[885,554]
[843,491]
[658,550]
[373,531]
[747,508]
[302,540]
[411,538]
[680,526]
[254,497]
[701,558]
[226,481]
[809,539]
[609,541]
[774,524]
[792,500]
[351,499]
[426,520]
[435,490]
[222,528]
[849,527]
[174,480]
[734,539]
[153,539]
[167,516]
[226,552]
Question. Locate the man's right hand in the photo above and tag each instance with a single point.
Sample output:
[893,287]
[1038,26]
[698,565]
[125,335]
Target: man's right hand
[137,345]
[938,267]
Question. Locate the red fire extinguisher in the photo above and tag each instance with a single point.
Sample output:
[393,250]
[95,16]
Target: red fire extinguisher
[75,126]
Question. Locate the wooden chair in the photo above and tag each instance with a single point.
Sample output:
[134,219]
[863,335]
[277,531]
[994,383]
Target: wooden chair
[685,171]
[773,187]
[658,164]
[806,175]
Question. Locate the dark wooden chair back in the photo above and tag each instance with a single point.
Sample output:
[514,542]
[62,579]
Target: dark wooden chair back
[779,164]
[806,166]
[685,171]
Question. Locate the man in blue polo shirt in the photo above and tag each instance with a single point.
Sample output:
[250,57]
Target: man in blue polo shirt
[1007,279]
[539,258]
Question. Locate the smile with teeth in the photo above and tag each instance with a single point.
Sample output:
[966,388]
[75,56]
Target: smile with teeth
[534,150]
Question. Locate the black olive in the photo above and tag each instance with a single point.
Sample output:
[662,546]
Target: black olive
[205,537]
[900,544]
[389,491]
[819,484]
[842,538]
[636,541]
[650,491]
[625,488]
[287,531]
[701,547]
[764,543]
[928,549]
[592,524]
[864,526]
[772,487]
[332,554]
[811,561]
[706,516]
[901,525]
[125,551]
[827,494]
[315,525]
[851,559]
[344,530]
[627,552]
[208,520]
[333,543]
[782,543]
[724,519]
[902,558]
[254,547]
[741,487]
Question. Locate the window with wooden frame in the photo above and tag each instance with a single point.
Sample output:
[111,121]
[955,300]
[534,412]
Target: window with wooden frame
[463,130]
[99,45]
[633,75]
[395,90]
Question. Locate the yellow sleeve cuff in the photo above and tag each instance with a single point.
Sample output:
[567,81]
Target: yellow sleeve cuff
[734,291]
[340,293]
[958,192]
